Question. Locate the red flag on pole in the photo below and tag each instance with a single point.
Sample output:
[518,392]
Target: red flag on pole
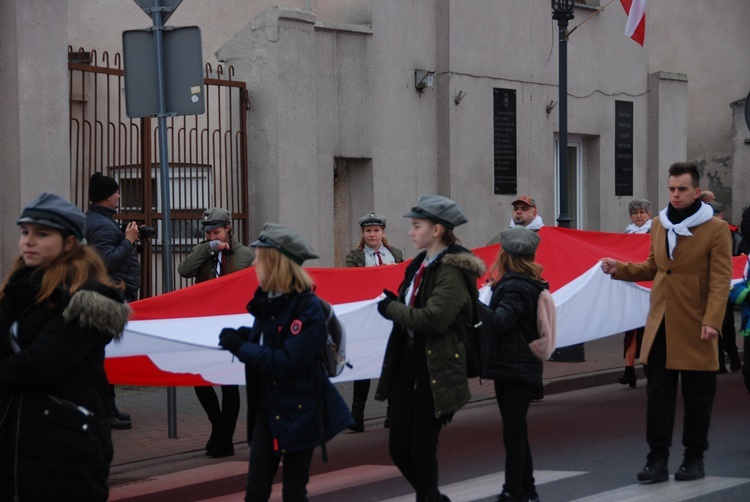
[635,28]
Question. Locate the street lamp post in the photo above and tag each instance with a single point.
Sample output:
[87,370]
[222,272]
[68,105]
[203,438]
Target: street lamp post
[562,12]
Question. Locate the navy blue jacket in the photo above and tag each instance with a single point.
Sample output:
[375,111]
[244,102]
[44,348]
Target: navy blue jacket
[281,358]
[508,326]
[119,255]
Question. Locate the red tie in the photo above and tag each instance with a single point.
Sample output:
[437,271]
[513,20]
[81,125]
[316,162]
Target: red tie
[415,287]
[380,260]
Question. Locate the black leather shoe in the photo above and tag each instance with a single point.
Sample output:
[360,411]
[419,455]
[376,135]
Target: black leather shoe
[221,451]
[734,362]
[690,470]
[655,471]
[122,416]
[121,424]
[507,497]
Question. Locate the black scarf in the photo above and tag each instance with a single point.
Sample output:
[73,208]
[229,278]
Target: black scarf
[679,215]
[21,290]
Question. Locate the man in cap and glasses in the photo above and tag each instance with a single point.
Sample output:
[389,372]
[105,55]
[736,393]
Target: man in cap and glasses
[524,214]
[218,255]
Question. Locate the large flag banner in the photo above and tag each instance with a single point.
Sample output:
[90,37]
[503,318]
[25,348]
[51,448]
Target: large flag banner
[635,27]
[172,339]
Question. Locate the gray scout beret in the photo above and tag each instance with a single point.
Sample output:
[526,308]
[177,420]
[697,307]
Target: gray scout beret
[287,241]
[438,209]
[519,241]
[372,219]
[716,206]
[214,218]
[53,211]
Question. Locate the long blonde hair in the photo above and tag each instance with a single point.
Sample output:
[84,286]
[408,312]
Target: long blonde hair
[70,270]
[282,275]
[507,262]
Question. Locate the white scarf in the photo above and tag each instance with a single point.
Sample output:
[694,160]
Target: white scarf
[704,214]
[535,224]
[635,229]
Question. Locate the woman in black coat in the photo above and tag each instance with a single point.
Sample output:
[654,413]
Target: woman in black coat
[510,327]
[57,313]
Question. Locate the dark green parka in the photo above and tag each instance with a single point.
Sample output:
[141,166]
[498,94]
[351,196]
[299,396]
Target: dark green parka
[201,262]
[441,316]
[356,257]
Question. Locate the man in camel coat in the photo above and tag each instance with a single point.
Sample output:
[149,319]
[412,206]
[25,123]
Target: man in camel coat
[690,264]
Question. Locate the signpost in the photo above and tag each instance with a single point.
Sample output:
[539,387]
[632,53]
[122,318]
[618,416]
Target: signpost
[163,68]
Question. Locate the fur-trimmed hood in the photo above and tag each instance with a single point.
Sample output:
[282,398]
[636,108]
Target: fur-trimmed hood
[97,307]
[465,260]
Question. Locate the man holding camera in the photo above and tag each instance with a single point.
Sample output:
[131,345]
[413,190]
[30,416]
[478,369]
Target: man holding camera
[220,254]
[117,249]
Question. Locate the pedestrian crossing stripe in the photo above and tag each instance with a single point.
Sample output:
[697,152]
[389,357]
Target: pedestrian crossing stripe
[490,485]
[670,491]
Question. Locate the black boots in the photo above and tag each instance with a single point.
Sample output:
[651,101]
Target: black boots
[214,437]
[358,413]
[690,470]
[655,471]
[220,442]
[223,446]
[628,378]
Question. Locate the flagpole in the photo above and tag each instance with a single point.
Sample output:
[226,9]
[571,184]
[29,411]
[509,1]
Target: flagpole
[592,15]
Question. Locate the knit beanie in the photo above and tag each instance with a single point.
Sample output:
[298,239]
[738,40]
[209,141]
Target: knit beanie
[101,187]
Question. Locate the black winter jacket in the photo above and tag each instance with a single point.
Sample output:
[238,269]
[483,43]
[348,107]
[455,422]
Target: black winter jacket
[119,255]
[508,326]
[281,361]
[49,450]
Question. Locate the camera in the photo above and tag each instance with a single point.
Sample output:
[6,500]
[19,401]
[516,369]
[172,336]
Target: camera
[145,232]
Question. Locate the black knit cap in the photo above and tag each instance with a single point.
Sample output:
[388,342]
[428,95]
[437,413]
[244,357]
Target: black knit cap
[101,187]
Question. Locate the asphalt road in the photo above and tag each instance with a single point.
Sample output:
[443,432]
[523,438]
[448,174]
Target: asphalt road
[587,445]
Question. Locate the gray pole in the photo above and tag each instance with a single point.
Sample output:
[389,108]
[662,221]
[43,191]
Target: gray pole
[166,235]
[562,12]
[562,23]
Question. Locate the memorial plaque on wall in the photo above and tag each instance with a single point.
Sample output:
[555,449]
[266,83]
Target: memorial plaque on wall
[623,148]
[504,122]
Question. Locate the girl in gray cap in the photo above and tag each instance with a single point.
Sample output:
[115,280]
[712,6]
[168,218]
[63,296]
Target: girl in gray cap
[298,408]
[57,313]
[515,351]
[424,370]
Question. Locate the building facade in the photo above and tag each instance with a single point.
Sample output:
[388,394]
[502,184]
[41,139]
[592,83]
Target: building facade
[338,125]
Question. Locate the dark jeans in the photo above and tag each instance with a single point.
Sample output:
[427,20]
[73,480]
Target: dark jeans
[728,337]
[360,389]
[226,415]
[513,399]
[698,392]
[414,430]
[264,462]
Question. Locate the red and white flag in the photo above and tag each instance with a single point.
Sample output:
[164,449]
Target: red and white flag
[635,28]
[172,339]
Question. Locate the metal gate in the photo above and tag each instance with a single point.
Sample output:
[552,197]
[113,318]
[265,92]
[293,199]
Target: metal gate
[207,157]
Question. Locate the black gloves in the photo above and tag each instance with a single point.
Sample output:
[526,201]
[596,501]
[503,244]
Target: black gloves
[230,340]
[390,294]
[390,297]
[383,306]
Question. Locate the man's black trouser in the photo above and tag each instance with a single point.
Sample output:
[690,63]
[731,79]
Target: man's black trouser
[698,392]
